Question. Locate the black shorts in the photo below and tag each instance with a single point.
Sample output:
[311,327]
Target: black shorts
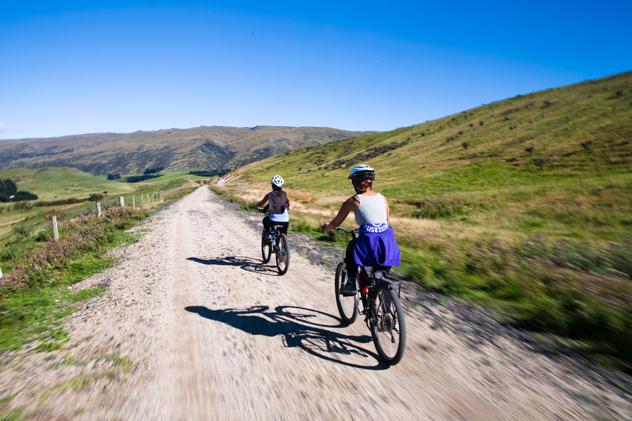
[267,224]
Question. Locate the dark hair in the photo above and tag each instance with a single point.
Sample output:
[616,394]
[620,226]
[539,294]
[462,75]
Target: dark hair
[276,188]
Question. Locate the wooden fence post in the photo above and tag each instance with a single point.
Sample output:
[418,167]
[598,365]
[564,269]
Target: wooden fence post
[1,275]
[122,201]
[134,201]
[98,203]
[142,200]
[55,229]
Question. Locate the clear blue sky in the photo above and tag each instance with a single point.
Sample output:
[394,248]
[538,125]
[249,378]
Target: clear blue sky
[85,66]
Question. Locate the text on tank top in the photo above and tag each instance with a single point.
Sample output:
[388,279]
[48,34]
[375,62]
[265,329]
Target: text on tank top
[372,210]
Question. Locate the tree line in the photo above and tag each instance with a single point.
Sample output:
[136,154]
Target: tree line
[9,192]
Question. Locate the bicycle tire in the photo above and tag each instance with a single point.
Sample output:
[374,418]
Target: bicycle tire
[338,282]
[282,255]
[400,322]
[266,248]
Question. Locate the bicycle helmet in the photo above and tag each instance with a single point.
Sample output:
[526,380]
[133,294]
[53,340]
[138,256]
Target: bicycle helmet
[277,180]
[362,172]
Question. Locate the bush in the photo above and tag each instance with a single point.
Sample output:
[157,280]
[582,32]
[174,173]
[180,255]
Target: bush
[539,163]
[153,170]
[25,195]
[137,178]
[114,176]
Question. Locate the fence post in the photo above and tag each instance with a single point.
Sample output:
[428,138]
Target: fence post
[134,201]
[122,201]
[142,200]
[1,275]
[98,203]
[55,229]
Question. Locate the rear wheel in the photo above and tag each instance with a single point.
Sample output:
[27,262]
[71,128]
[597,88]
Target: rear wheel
[388,327]
[266,248]
[282,255]
[347,306]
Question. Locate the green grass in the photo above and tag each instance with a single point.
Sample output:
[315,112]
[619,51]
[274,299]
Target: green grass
[533,218]
[34,294]
[63,183]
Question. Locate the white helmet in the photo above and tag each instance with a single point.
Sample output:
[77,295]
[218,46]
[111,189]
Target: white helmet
[362,170]
[277,180]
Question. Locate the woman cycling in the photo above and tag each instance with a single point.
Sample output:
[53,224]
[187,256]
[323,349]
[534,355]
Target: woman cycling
[278,206]
[375,245]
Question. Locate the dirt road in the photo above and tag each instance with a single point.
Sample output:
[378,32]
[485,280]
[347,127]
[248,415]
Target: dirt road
[194,327]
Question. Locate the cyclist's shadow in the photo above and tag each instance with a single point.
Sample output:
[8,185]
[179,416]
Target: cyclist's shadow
[312,337]
[246,263]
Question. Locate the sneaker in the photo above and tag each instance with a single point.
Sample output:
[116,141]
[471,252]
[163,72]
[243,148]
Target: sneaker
[349,288]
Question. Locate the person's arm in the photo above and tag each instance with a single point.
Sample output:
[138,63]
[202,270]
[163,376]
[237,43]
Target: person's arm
[263,201]
[388,212]
[349,205]
[288,201]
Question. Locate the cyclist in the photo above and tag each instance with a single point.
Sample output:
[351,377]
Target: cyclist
[278,205]
[375,245]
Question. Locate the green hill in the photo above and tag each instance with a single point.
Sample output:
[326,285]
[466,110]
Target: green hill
[558,161]
[523,204]
[62,183]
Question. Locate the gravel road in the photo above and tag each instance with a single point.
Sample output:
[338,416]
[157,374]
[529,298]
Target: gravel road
[193,326]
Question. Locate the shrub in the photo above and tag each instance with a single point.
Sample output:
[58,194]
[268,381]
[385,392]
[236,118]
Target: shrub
[529,149]
[114,176]
[465,145]
[539,163]
[153,170]
[587,145]
[25,195]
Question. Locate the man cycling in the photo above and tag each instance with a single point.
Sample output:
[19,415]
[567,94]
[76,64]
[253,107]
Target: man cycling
[375,245]
[278,205]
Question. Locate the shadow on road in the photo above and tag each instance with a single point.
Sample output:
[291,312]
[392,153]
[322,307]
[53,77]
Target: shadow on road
[246,263]
[310,334]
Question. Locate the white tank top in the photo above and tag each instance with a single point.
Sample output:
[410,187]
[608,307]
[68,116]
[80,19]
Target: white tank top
[372,210]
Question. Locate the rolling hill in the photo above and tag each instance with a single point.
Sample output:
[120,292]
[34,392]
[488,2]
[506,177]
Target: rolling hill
[558,160]
[200,148]
[524,205]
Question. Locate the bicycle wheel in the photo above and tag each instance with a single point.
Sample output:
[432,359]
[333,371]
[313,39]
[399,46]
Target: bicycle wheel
[347,306]
[388,327]
[282,255]
[266,248]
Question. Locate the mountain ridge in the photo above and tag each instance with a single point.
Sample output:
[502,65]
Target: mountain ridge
[203,147]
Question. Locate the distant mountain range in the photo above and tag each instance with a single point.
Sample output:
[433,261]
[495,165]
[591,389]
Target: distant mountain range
[199,148]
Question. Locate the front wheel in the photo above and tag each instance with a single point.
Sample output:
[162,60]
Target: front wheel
[266,247]
[388,327]
[347,306]
[282,255]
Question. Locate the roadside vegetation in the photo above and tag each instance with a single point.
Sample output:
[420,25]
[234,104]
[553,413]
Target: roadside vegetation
[35,293]
[523,205]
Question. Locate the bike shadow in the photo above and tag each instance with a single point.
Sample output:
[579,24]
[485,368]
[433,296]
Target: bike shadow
[246,263]
[298,331]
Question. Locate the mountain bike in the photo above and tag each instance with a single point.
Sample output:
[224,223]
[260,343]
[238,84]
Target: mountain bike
[275,241]
[377,298]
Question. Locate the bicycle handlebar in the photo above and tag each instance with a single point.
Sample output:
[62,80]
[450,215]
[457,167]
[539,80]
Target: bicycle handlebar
[352,231]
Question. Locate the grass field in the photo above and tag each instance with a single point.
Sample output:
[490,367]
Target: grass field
[524,205]
[54,184]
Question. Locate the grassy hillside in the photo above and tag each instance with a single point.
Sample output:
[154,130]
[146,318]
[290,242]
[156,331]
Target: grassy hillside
[201,148]
[524,204]
[62,183]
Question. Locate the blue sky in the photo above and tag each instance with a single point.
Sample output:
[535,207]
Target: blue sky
[85,66]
